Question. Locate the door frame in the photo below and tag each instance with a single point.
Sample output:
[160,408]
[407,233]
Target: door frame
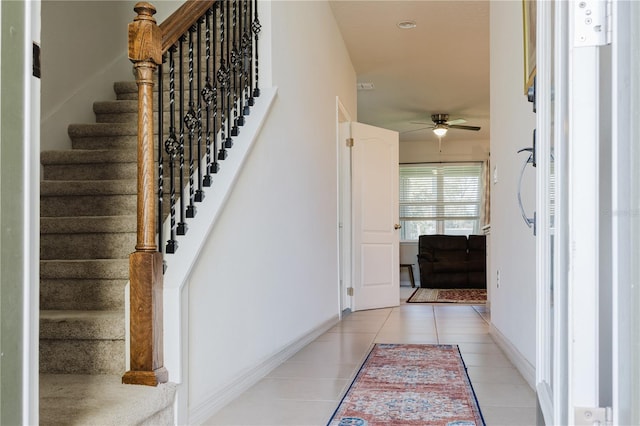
[552,240]
[343,154]
[625,221]
[21,211]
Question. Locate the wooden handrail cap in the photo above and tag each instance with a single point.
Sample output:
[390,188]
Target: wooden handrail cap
[145,38]
[145,10]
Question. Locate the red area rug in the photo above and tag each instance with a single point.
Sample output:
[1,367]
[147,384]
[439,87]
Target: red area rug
[471,296]
[410,385]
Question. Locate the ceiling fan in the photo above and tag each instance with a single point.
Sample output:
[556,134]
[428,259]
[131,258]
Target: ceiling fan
[441,125]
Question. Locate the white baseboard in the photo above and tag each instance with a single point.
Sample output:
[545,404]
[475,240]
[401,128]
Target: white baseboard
[525,368]
[243,382]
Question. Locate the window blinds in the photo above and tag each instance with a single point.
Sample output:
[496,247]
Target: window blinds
[441,192]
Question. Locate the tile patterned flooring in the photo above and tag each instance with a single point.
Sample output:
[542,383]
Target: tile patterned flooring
[307,388]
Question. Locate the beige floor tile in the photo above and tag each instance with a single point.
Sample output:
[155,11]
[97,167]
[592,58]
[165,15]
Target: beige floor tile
[407,338]
[479,348]
[298,389]
[346,337]
[484,374]
[274,413]
[408,329]
[464,338]
[486,360]
[509,416]
[355,327]
[332,353]
[504,395]
[298,370]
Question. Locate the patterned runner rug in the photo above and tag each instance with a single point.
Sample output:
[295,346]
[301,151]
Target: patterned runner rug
[472,296]
[410,385]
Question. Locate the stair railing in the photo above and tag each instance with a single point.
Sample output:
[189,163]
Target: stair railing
[217,81]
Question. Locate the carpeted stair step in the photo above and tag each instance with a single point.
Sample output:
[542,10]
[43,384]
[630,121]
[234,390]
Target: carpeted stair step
[122,111]
[107,269]
[73,342]
[87,237]
[82,294]
[87,198]
[74,399]
[86,246]
[100,136]
[91,164]
[82,325]
[68,356]
[96,198]
[103,135]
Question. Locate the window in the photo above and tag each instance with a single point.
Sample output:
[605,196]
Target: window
[440,199]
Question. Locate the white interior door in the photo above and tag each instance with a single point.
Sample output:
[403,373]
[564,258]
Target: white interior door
[376,241]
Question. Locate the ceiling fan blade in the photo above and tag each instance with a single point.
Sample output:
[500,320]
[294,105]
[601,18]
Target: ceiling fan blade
[474,128]
[456,121]
[420,122]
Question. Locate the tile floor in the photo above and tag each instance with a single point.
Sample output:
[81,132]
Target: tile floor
[307,388]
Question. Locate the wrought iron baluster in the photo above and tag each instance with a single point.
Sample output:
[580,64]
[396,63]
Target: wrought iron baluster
[255,28]
[245,44]
[250,101]
[235,61]
[172,148]
[215,166]
[160,156]
[182,226]
[207,96]
[199,196]
[228,142]
[222,75]
[191,121]
[241,18]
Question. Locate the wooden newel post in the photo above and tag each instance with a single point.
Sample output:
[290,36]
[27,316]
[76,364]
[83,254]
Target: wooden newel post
[145,264]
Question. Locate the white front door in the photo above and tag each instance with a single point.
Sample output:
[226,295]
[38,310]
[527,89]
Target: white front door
[587,365]
[375,224]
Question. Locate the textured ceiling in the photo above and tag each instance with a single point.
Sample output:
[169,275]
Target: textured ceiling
[441,66]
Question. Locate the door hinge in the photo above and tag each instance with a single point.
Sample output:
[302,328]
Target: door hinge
[593,416]
[349,291]
[36,71]
[592,22]
[349,142]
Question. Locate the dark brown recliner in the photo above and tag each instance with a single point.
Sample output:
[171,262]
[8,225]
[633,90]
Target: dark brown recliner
[452,261]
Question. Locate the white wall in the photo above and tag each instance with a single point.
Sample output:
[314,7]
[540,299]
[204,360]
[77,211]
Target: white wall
[424,152]
[512,243]
[269,274]
[84,51]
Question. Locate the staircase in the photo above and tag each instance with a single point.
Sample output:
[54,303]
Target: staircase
[88,230]
[94,196]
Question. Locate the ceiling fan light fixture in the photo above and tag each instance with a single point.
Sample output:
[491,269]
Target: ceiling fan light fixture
[440,130]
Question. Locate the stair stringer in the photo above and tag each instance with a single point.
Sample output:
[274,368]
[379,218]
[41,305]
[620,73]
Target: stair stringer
[180,264]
